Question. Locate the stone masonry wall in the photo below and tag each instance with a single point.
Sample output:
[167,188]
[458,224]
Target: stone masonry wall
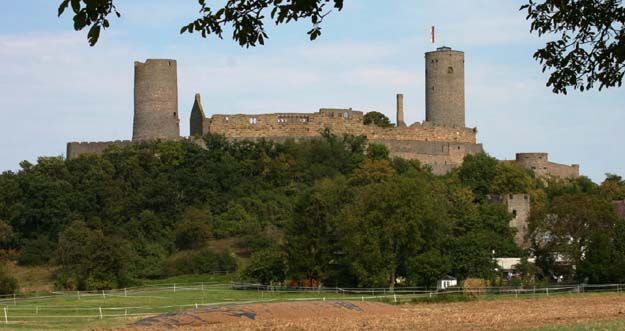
[441,147]
[540,164]
[519,206]
[75,149]
[309,125]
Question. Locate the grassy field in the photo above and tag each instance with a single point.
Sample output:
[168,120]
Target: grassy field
[79,310]
[82,310]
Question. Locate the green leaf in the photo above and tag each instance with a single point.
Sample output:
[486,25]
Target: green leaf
[93,35]
[76,6]
[63,6]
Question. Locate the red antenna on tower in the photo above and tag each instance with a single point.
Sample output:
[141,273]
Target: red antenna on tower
[433,35]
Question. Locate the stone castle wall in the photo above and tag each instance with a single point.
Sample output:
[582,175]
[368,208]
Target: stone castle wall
[75,149]
[350,122]
[539,163]
[441,147]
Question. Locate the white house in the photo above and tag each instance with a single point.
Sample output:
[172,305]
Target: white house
[446,282]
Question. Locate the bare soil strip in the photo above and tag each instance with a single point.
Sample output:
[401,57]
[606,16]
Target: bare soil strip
[506,314]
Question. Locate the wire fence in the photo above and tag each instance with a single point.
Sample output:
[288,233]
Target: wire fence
[136,302]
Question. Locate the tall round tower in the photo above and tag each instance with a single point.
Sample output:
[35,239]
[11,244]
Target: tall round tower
[156,100]
[444,87]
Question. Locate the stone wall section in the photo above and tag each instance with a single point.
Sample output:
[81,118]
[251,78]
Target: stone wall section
[441,147]
[519,206]
[539,163]
[75,149]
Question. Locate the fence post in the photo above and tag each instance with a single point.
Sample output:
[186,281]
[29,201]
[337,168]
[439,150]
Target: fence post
[101,316]
[174,287]
[36,310]
[78,292]
[547,290]
[395,297]
[6,316]
[125,292]
[103,294]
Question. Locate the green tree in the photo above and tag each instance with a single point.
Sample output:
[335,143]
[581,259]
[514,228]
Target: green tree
[387,223]
[36,251]
[377,151]
[311,236]
[194,230]
[267,267]
[246,18]
[6,234]
[511,178]
[425,269]
[587,45]
[91,260]
[613,187]
[573,225]
[377,119]
[8,284]
[478,172]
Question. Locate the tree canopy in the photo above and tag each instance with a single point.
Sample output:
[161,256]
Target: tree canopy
[246,18]
[333,211]
[377,119]
[588,42]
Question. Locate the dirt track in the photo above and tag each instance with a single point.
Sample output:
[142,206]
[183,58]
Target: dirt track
[338,315]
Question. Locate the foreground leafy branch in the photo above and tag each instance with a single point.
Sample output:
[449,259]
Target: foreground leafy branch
[589,42]
[245,17]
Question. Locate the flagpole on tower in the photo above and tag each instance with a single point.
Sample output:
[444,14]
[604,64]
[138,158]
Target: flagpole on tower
[433,35]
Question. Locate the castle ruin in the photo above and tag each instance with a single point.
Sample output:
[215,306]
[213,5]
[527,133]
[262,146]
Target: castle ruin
[440,142]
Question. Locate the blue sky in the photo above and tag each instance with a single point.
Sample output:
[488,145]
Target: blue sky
[54,88]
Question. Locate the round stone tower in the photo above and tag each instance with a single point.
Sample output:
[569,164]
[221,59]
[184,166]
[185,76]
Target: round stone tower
[444,87]
[156,101]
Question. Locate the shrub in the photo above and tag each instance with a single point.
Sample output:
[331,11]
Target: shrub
[36,251]
[90,260]
[267,266]
[194,230]
[198,262]
[8,284]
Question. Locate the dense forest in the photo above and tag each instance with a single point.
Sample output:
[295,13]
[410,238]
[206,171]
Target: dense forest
[333,211]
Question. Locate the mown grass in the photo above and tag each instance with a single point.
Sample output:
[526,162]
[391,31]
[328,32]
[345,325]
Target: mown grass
[80,310]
